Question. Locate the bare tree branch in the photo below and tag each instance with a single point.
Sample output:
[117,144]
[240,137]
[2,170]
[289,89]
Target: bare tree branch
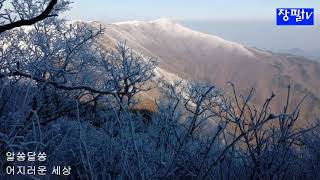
[25,22]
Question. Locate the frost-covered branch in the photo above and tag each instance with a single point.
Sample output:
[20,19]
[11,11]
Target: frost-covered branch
[26,22]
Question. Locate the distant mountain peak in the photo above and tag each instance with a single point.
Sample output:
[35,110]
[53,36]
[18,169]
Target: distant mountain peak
[137,22]
[188,54]
[133,22]
[141,32]
[164,21]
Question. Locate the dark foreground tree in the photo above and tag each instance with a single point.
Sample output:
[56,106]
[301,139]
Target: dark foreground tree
[63,94]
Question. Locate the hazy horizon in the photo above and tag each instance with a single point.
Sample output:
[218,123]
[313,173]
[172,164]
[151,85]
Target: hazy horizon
[262,34]
[248,22]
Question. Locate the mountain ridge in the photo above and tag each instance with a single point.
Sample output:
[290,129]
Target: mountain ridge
[194,55]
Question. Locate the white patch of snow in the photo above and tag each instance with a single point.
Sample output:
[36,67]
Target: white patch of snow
[163,21]
[167,76]
[174,28]
[77,21]
[128,23]
[136,22]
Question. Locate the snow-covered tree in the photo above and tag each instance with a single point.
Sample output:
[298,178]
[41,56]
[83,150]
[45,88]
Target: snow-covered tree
[63,93]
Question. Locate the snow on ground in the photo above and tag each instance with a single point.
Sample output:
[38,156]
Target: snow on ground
[174,28]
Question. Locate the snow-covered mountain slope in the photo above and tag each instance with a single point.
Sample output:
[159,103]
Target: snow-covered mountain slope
[167,39]
[166,27]
[194,55]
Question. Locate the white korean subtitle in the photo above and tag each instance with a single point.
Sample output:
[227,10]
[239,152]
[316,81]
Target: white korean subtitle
[40,170]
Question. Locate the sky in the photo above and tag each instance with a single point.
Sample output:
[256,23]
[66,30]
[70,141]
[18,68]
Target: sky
[118,10]
[251,22]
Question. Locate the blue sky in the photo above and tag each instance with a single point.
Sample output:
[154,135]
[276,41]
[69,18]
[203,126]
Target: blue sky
[118,10]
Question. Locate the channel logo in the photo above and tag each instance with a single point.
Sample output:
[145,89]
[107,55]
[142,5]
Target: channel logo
[295,16]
